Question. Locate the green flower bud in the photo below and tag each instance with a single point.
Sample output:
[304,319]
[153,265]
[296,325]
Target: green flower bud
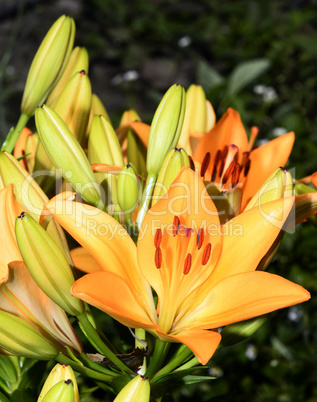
[174,161]
[73,104]
[195,115]
[47,264]
[79,61]
[9,368]
[104,147]
[60,372]
[166,127]
[97,108]
[23,339]
[278,185]
[137,390]
[66,154]
[61,391]
[48,64]
[128,189]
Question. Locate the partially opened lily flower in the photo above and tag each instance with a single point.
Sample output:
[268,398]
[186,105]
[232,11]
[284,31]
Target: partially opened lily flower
[203,273]
[227,158]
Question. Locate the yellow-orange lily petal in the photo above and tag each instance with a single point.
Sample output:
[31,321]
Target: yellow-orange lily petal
[84,261]
[264,160]
[9,249]
[21,296]
[229,130]
[113,295]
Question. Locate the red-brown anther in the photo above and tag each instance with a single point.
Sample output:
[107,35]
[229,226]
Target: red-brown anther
[158,258]
[205,164]
[247,167]
[200,238]
[235,175]
[192,164]
[158,238]
[228,172]
[176,224]
[187,264]
[206,254]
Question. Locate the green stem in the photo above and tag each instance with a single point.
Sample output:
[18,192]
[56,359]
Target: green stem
[96,341]
[140,334]
[95,366]
[12,138]
[158,357]
[146,198]
[183,354]
[82,369]
[191,363]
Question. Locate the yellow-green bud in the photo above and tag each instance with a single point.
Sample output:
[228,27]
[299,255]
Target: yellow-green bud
[165,128]
[97,108]
[137,390]
[47,264]
[174,161]
[79,61]
[29,194]
[9,368]
[48,63]
[63,391]
[103,144]
[66,154]
[60,372]
[104,147]
[23,339]
[128,189]
[278,185]
[73,104]
[195,115]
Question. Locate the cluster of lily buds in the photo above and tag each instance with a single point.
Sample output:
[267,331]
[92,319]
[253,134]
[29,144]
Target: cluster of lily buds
[97,176]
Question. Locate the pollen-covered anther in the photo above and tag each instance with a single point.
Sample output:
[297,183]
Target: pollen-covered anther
[200,238]
[187,264]
[206,254]
[235,175]
[158,238]
[228,172]
[205,164]
[158,258]
[176,225]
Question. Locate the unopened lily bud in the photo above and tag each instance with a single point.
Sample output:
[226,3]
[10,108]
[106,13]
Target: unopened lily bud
[48,63]
[78,61]
[195,115]
[20,338]
[66,154]
[166,127]
[73,104]
[278,185]
[136,152]
[47,264]
[104,147]
[62,391]
[97,108]
[9,368]
[173,163]
[60,372]
[128,189]
[137,390]
[128,117]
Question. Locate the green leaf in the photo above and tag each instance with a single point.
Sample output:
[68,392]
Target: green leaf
[194,379]
[245,73]
[208,77]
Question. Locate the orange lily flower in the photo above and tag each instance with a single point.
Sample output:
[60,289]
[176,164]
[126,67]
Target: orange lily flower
[203,273]
[230,158]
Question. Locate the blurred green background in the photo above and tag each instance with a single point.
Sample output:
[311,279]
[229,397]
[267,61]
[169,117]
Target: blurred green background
[259,57]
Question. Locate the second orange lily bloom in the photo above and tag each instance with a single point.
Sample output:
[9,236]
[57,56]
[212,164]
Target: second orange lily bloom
[202,273]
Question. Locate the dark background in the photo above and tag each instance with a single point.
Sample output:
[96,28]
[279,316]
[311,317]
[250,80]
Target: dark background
[259,57]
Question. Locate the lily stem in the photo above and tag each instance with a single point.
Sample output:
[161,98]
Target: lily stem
[146,198]
[97,342]
[13,137]
[62,359]
[183,354]
[159,354]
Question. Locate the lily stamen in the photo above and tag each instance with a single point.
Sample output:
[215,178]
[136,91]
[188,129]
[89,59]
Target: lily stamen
[157,238]
[206,254]
[158,258]
[187,264]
